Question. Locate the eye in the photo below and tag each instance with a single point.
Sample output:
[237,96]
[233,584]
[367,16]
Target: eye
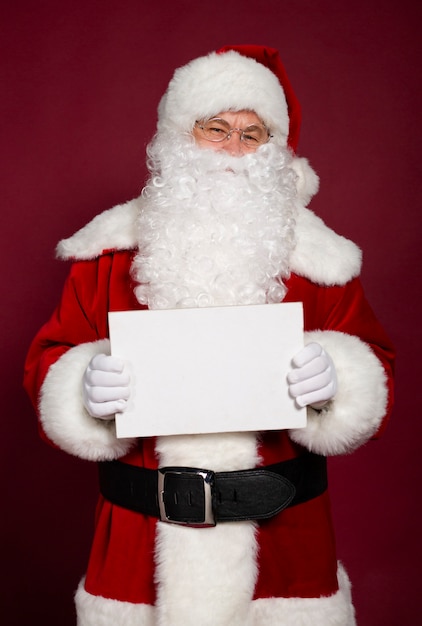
[255,134]
[217,126]
[215,129]
[251,138]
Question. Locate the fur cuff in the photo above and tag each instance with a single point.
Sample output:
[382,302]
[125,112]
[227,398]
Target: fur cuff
[63,416]
[355,414]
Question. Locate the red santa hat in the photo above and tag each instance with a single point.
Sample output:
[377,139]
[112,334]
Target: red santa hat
[234,78]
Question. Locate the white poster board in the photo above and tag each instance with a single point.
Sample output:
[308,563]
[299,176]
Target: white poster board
[205,370]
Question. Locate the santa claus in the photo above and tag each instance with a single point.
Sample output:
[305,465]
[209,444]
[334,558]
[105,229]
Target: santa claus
[247,541]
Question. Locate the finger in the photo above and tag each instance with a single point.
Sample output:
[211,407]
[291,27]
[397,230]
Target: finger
[315,397]
[101,378]
[107,394]
[315,367]
[310,384]
[106,410]
[107,363]
[307,354]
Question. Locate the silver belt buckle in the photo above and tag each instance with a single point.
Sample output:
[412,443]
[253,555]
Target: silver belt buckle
[207,517]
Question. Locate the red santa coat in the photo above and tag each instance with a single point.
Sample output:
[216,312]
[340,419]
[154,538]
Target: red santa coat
[279,571]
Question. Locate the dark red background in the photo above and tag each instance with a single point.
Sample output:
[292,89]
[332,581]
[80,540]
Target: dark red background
[80,84]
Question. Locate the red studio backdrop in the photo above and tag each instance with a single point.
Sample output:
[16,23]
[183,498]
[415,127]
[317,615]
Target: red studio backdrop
[81,81]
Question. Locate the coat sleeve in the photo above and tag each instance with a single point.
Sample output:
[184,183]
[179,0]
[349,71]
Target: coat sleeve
[342,321]
[56,362]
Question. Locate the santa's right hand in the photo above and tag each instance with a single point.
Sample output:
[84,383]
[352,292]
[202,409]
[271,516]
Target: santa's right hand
[105,386]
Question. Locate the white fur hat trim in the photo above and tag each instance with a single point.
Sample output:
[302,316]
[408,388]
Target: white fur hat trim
[220,82]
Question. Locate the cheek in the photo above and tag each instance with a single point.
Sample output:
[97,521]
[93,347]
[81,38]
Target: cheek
[209,145]
[213,146]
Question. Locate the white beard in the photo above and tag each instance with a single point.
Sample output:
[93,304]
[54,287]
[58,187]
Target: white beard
[214,230]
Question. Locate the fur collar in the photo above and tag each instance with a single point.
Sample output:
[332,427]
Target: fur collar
[321,255]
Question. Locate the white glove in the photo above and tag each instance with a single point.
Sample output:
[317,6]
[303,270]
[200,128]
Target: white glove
[105,386]
[313,379]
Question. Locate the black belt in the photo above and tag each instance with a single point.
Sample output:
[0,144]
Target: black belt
[199,497]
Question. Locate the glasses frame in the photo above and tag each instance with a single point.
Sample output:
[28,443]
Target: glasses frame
[242,131]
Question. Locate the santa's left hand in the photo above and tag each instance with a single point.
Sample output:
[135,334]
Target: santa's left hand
[313,379]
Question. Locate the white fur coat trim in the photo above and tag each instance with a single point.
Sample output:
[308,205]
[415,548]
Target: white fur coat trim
[355,413]
[336,610]
[98,611]
[321,255]
[114,229]
[63,415]
[195,584]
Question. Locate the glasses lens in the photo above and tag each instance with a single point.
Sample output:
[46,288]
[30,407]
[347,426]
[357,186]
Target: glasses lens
[255,135]
[215,129]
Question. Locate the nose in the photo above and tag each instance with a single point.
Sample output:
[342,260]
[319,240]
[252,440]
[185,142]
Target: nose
[233,144]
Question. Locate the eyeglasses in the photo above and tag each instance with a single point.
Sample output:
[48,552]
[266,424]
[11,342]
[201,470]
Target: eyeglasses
[217,129]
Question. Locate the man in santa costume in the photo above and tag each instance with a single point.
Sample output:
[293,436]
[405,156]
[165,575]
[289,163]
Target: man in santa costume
[221,221]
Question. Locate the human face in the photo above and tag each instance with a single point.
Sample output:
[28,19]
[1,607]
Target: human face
[233,145]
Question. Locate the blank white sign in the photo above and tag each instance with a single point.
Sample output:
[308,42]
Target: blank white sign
[205,370]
